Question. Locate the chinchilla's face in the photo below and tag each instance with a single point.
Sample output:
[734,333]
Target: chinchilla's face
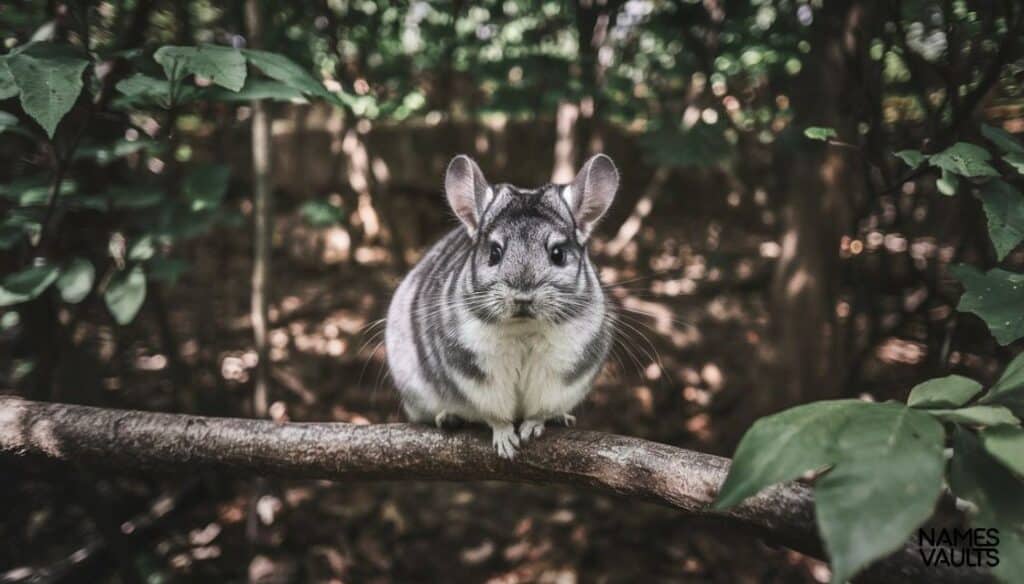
[527,262]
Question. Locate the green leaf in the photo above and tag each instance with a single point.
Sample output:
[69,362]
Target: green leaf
[819,133]
[978,416]
[7,121]
[1009,389]
[702,145]
[134,197]
[951,391]
[206,185]
[8,88]
[964,159]
[1001,138]
[49,78]
[912,158]
[976,476]
[142,249]
[76,279]
[320,213]
[255,89]
[947,183]
[223,66]
[144,88]
[166,269]
[26,284]
[1006,444]
[783,447]
[885,484]
[1004,207]
[996,296]
[1016,160]
[110,152]
[125,295]
[283,69]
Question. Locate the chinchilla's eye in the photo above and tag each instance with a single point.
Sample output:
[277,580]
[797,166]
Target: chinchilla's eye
[557,255]
[495,254]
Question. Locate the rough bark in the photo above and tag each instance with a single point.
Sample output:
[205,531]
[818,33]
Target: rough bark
[681,479]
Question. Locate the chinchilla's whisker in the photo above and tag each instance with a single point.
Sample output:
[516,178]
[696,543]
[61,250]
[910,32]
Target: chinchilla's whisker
[656,317]
[650,351]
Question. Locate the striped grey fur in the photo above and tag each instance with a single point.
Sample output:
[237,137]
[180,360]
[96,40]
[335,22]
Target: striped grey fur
[504,320]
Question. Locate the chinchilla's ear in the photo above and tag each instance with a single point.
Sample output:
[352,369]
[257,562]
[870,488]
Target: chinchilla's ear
[591,192]
[467,191]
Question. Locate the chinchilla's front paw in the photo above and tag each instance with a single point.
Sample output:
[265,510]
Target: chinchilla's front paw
[567,420]
[529,429]
[447,421]
[505,440]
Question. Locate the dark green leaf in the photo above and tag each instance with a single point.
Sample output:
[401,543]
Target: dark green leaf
[107,153]
[321,213]
[976,476]
[142,249]
[134,197]
[76,279]
[1009,390]
[1016,160]
[951,391]
[912,158]
[947,183]
[27,284]
[819,133]
[255,89]
[223,66]
[1001,138]
[996,296]
[1006,444]
[783,447]
[166,269]
[1004,207]
[125,294]
[143,88]
[978,416]
[7,121]
[283,69]
[887,478]
[49,78]
[8,88]
[964,159]
[702,145]
[206,185]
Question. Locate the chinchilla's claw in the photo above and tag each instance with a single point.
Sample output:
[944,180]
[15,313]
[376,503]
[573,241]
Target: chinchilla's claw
[568,420]
[505,440]
[530,429]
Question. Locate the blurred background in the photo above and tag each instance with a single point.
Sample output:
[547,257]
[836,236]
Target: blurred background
[756,264]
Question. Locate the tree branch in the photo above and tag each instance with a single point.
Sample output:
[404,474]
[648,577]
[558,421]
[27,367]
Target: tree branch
[684,480]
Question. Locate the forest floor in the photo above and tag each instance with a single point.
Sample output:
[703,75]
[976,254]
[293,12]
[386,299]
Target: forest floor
[690,361]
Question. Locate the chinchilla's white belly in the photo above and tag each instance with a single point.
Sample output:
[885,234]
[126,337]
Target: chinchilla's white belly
[526,366]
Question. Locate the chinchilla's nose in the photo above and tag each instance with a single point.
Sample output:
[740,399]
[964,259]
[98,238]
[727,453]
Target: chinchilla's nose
[522,300]
[523,304]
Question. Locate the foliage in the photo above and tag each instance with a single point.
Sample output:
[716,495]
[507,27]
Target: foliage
[880,467]
[48,78]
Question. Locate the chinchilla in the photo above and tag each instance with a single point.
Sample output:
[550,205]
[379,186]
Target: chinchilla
[504,320]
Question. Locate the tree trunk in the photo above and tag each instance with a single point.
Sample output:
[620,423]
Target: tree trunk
[820,183]
[262,222]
